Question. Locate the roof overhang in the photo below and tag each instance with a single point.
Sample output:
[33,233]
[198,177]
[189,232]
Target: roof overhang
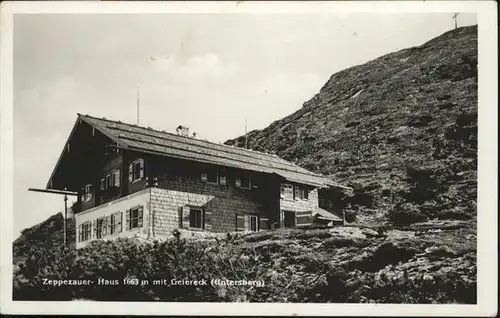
[80,119]
[324,214]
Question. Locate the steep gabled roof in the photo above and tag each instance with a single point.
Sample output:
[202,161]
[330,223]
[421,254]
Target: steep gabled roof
[148,140]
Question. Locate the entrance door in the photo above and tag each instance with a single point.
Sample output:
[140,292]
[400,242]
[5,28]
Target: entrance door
[289,219]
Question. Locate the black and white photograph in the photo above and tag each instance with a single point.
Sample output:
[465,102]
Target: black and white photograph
[162,157]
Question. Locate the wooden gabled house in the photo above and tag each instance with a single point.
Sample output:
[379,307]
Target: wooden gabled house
[132,179]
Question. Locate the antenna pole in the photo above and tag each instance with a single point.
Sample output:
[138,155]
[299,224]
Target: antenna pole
[138,96]
[455,18]
[246,136]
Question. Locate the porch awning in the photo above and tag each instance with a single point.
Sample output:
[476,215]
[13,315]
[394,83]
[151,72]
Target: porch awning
[324,214]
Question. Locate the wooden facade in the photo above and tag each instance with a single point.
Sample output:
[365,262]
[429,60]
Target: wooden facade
[221,194]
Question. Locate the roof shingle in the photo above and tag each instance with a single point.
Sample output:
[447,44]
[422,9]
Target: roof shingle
[160,142]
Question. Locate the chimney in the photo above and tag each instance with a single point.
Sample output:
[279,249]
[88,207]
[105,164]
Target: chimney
[182,130]
[195,135]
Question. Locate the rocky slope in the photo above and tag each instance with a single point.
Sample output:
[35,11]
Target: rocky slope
[400,129]
[339,264]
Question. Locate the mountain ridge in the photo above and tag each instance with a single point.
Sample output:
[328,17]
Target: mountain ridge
[390,128]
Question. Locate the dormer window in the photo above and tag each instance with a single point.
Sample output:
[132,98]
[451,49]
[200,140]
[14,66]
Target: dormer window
[136,170]
[243,181]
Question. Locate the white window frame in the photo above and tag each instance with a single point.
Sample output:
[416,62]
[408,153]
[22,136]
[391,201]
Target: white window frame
[85,231]
[250,218]
[116,177]
[301,191]
[140,162]
[87,196]
[102,230]
[283,193]
[136,209]
[116,225]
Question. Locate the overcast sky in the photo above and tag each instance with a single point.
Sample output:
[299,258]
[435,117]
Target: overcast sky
[208,72]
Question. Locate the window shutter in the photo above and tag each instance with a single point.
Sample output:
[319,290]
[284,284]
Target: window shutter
[240,222]
[296,192]
[79,233]
[207,218]
[185,217]
[102,184]
[127,222]
[247,222]
[117,178]
[238,182]
[108,225]
[306,193]
[263,224]
[120,228]
[204,177]
[139,221]
[130,172]
[141,169]
[94,226]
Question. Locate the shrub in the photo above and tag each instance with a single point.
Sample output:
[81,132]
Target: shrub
[406,213]
[456,213]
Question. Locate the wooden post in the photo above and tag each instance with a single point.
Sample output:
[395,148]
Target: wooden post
[65,216]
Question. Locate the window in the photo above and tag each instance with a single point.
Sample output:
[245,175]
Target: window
[136,170]
[195,218]
[243,181]
[222,176]
[303,218]
[214,175]
[111,180]
[116,178]
[85,231]
[253,223]
[247,223]
[87,196]
[100,228]
[293,218]
[134,218]
[301,192]
[286,191]
[115,224]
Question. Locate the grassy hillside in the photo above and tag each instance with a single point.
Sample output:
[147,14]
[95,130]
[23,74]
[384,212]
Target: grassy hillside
[400,129]
[44,236]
